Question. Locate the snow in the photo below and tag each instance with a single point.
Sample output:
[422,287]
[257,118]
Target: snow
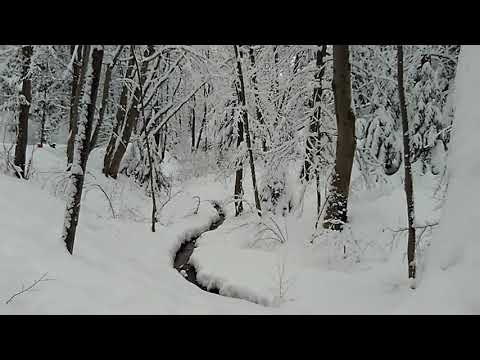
[120,267]
[451,276]
[463,165]
[311,277]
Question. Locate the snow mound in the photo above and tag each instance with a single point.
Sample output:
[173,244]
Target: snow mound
[450,282]
[118,267]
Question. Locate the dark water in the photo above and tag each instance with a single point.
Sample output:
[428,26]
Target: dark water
[183,254]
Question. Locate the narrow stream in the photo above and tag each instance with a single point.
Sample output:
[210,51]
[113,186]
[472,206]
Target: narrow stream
[183,254]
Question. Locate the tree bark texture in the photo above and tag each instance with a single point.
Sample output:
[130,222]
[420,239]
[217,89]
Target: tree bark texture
[314,136]
[25,100]
[243,105]
[81,148]
[336,211]
[119,119]
[131,119]
[101,115]
[408,167]
[77,86]
[257,100]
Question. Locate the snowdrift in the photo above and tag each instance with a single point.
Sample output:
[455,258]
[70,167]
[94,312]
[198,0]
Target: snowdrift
[450,282]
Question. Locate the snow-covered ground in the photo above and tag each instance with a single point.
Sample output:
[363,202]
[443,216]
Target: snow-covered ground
[453,263]
[362,270]
[120,266]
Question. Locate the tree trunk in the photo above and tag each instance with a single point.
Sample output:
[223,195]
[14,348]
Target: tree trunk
[257,101]
[105,94]
[125,128]
[25,99]
[164,142]
[192,125]
[75,99]
[408,169]
[314,139]
[130,122]
[314,136]
[141,79]
[243,105]
[238,191]
[82,141]
[119,119]
[44,119]
[204,119]
[276,86]
[336,211]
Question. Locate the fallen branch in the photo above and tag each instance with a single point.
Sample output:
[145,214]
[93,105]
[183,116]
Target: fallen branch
[416,227]
[42,278]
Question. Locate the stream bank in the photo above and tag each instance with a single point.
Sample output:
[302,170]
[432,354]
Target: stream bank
[183,254]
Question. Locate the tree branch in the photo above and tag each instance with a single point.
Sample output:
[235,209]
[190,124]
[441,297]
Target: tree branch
[29,288]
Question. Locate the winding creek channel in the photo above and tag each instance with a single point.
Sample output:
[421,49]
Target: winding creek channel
[183,254]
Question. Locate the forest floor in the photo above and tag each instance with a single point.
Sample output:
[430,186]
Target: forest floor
[120,267]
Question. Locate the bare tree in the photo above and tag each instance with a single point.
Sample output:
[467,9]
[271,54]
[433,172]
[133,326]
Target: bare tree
[131,118]
[119,118]
[44,118]
[82,143]
[255,94]
[149,154]
[238,190]
[408,169]
[105,94]
[78,80]
[313,143]
[192,124]
[25,100]
[76,52]
[241,98]
[336,211]
[204,119]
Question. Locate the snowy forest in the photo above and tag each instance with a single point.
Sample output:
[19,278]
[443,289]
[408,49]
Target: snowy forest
[239,179]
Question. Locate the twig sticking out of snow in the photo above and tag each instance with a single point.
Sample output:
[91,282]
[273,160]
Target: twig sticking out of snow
[198,204]
[276,232]
[106,196]
[29,288]
[28,170]
[416,227]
